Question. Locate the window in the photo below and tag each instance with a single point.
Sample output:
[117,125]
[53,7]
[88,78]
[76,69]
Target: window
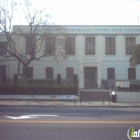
[2,70]
[110,45]
[131,73]
[3,47]
[29,72]
[90,45]
[49,72]
[111,73]
[70,46]
[50,45]
[129,44]
[30,44]
[69,72]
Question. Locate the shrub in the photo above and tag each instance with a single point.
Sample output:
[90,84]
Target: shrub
[38,89]
[41,82]
[132,87]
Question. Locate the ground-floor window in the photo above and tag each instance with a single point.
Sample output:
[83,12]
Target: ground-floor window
[49,72]
[69,72]
[2,70]
[29,72]
[131,73]
[111,73]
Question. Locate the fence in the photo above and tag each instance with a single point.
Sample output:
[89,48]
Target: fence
[94,95]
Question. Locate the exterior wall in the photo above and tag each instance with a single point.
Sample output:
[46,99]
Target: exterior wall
[120,47]
[120,69]
[39,68]
[128,97]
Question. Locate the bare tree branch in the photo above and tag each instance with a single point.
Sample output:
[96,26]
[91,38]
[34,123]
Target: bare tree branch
[35,30]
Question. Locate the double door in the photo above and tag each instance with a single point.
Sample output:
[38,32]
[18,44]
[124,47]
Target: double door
[90,77]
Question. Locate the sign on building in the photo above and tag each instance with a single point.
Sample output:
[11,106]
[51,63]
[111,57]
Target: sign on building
[122,84]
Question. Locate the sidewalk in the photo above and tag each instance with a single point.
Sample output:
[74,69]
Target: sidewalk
[28,101]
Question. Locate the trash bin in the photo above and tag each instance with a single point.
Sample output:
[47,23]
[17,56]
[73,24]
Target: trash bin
[114,98]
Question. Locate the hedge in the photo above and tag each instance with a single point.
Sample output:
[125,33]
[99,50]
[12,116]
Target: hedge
[38,89]
[42,82]
[132,87]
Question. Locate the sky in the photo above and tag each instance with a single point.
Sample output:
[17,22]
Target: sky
[92,12]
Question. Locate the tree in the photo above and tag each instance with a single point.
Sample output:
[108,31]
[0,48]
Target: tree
[32,35]
[135,58]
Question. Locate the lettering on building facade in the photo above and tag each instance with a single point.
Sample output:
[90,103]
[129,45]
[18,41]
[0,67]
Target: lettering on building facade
[89,63]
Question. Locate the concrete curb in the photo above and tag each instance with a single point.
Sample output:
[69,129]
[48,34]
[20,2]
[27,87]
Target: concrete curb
[27,103]
[72,106]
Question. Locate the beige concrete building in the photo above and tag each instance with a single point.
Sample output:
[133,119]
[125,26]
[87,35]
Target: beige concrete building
[97,52]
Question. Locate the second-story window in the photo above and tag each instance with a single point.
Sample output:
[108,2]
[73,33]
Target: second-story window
[90,45]
[110,46]
[3,47]
[129,44]
[50,45]
[30,44]
[70,46]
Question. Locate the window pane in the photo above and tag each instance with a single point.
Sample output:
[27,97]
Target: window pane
[110,46]
[69,72]
[29,72]
[131,73]
[111,73]
[30,44]
[90,45]
[129,44]
[49,72]
[70,45]
[50,45]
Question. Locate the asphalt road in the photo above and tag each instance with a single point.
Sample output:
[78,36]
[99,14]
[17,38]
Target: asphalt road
[67,123]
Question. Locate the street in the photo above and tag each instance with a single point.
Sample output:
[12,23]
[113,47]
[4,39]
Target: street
[67,123]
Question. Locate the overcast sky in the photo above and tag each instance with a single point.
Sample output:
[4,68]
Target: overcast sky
[92,12]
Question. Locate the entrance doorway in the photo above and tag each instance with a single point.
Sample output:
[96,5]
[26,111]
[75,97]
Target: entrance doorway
[90,77]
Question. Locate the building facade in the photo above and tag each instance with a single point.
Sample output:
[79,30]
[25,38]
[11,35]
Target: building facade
[96,52]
